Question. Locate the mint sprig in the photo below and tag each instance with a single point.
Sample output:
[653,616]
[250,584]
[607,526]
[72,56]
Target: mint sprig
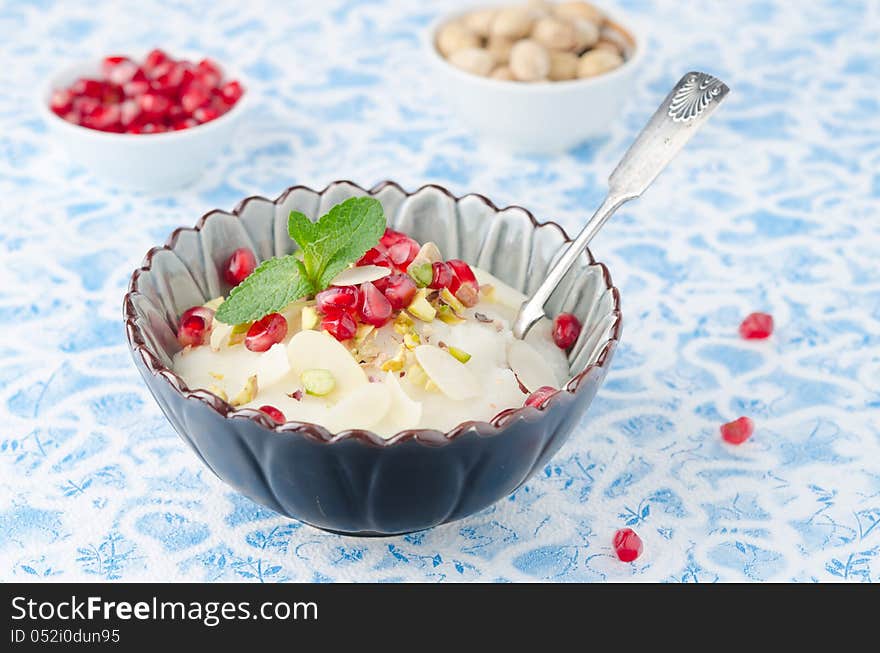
[328,246]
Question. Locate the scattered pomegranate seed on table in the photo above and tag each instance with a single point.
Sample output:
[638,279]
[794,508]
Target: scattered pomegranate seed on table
[738,431]
[756,326]
[266,332]
[566,329]
[539,396]
[159,95]
[239,266]
[276,415]
[627,545]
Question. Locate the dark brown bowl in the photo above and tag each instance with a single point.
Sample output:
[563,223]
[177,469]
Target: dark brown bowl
[357,482]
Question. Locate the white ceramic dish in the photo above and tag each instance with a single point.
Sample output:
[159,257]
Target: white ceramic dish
[145,162]
[537,117]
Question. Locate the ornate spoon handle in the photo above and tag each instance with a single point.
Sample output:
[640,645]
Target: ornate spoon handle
[682,113]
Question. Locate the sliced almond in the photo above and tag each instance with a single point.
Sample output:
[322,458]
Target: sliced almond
[220,333]
[309,350]
[453,379]
[248,393]
[358,275]
[360,409]
[529,366]
[272,365]
[404,413]
[501,292]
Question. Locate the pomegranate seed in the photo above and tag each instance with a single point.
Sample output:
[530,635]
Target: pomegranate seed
[118,69]
[756,326]
[463,271]
[195,96]
[154,105]
[239,266]
[88,88]
[399,290]
[443,275]
[209,73]
[231,92]
[195,323]
[340,325]
[205,114]
[178,75]
[61,102]
[403,252]
[566,329]
[627,545]
[737,431]
[103,118]
[184,123]
[146,128]
[392,237]
[276,415]
[373,308]
[135,87]
[334,299]
[375,256]
[129,111]
[464,283]
[266,332]
[154,59]
[539,396]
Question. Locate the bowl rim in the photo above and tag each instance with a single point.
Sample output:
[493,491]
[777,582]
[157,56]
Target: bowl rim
[629,65]
[315,432]
[50,84]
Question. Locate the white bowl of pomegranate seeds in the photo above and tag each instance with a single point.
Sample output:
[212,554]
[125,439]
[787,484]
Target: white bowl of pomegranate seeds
[149,123]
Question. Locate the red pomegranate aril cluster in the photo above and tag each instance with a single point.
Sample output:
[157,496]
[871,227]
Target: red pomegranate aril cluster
[756,326]
[159,95]
[239,266]
[266,332]
[399,290]
[341,298]
[737,431]
[194,327]
[627,545]
[566,329]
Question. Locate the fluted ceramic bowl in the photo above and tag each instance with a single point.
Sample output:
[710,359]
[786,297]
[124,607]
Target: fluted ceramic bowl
[355,481]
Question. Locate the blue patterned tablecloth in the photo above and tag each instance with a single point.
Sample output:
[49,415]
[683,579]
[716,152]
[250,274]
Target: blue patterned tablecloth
[773,207]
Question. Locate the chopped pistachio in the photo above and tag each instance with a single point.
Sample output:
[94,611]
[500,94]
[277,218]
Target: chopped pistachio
[451,300]
[214,304]
[417,375]
[247,393]
[363,332]
[488,292]
[396,363]
[318,382]
[239,331]
[217,376]
[459,354]
[421,308]
[447,315]
[403,323]
[421,272]
[309,317]
[411,340]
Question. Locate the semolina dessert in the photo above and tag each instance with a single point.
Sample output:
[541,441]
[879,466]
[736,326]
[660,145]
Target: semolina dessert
[365,328]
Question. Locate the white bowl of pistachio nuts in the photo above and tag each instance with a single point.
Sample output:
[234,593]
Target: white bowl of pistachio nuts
[536,77]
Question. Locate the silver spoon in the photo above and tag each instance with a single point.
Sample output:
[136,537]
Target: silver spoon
[682,113]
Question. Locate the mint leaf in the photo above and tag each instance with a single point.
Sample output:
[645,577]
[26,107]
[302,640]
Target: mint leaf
[268,289]
[338,238]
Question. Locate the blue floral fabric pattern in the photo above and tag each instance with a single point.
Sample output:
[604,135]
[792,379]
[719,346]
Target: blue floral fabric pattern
[773,207]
